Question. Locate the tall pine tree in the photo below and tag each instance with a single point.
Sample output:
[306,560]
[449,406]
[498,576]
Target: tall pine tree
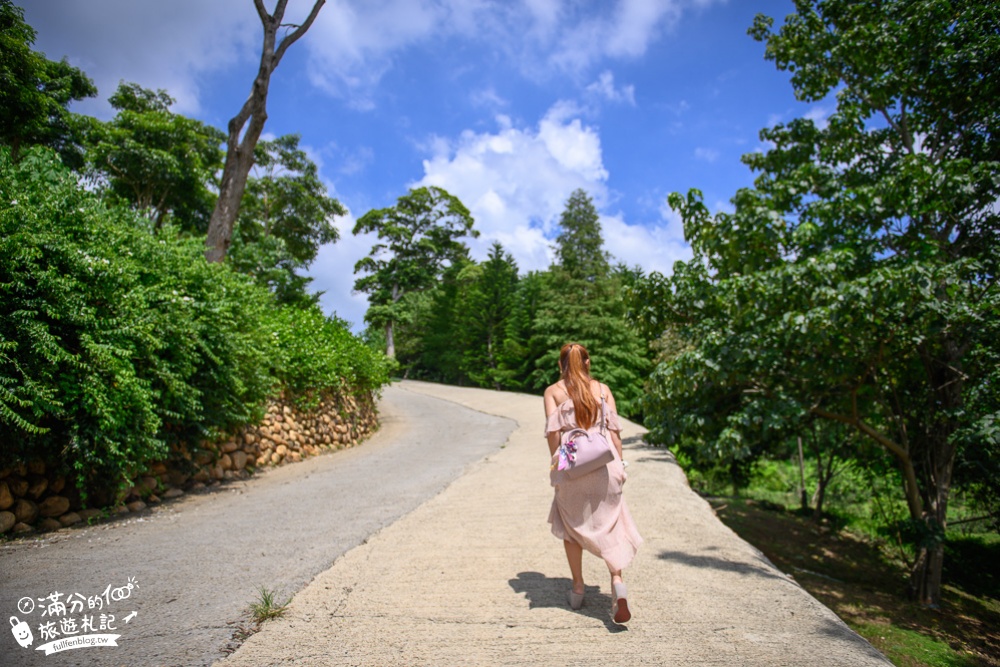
[487,307]
[580,246]
[584,304]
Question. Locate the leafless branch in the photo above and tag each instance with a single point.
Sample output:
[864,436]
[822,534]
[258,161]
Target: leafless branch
[301,30]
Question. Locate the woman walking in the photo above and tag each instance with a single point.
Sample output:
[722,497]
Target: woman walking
[589,511]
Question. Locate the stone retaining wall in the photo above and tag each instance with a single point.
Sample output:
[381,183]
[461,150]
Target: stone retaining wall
[33,498]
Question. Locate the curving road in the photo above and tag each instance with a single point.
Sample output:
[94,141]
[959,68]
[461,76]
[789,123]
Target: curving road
[427,545]
[199,560]
[473,577]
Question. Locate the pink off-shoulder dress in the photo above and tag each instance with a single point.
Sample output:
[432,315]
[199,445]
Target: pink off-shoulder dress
[591,510]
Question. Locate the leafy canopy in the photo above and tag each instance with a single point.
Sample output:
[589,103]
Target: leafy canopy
[417,239]
[483,324]
[116,342]
[35,92]
[285,217]
[159,161]
[856,281]
[579,247]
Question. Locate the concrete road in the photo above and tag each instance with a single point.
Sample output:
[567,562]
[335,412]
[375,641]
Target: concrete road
[474,577]
[195,564]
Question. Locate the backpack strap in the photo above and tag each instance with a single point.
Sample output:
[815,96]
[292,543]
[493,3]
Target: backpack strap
[604,420]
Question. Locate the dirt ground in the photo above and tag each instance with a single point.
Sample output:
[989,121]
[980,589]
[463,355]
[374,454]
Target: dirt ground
[849,575]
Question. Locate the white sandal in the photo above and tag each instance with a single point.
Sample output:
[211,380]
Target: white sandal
[619,607]
[575,599]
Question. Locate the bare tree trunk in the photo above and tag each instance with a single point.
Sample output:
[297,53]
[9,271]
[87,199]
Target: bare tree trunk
[239,151]
[803,498]
[947,379]
[390,344]
[390,341]
[824,474]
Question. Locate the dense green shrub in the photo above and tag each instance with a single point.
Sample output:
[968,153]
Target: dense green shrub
[314,354]
[116,341]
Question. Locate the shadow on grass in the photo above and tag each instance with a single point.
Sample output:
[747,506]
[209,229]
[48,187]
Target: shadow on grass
[853,578]
[550,592]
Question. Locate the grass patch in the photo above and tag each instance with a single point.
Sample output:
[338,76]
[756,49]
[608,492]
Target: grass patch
[908,647]
[850,574]
[266,606]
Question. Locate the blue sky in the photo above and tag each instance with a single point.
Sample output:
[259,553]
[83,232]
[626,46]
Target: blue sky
[510,105]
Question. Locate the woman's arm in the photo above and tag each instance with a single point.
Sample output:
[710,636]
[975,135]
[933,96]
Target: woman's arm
[616,437]
[554,437]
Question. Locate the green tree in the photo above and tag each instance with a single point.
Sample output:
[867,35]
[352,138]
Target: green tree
[114,342]
[159,161]
[856,282]
[594,316]
[522,351]
[286,216]
[35,93]
[432,338]
[484,316]
[579,247]
[418,238]
[583,303]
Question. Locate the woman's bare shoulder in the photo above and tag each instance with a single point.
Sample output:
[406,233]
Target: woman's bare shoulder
[557,393]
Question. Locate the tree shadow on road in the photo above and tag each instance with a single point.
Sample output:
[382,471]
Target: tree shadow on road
[641,452]
[761,569]
[544,592]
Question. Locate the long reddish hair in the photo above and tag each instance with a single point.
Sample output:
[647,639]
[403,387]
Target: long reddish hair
[573,360]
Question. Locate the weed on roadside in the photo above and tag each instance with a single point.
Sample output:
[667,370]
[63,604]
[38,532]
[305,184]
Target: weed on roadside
[265,607]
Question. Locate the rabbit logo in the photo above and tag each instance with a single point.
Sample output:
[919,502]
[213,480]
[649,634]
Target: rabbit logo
[22,633]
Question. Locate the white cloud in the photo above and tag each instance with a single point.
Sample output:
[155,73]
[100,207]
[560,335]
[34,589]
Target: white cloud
[605,87]
[776,118]
[333,273]
[706,154]
[351,44]
[629,30]
[356,161]
[654,247]
[545,15]
[819,115]
[516,181]
[166,45]
[679,108]
[488,97]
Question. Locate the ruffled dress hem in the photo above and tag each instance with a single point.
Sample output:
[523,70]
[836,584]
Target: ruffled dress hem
[591,510]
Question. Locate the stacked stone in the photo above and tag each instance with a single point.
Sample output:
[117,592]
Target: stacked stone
[31,500]
[287,435]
